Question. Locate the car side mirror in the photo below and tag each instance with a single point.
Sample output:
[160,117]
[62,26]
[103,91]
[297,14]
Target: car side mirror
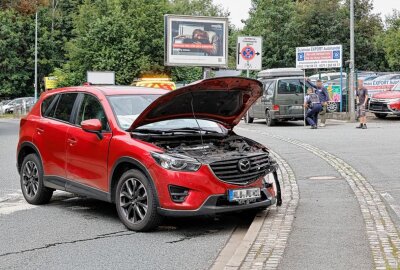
[93,126]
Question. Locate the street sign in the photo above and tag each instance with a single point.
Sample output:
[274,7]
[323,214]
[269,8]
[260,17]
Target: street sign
[101,77]
[329,56]
[249,53]
[50,83]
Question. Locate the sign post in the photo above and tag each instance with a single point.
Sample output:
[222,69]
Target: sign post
[316,57]
[249,54]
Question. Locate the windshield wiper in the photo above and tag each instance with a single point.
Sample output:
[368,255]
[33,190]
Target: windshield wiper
[149,131]
[193,130]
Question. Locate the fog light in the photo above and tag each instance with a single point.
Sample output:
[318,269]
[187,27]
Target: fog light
[178,194]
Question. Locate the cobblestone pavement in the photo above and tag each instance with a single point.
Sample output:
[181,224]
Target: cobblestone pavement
[267,250]
[383,236]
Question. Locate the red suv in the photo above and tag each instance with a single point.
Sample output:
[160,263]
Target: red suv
[152,152]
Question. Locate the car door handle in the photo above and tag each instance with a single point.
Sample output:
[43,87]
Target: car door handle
[72,141]
[39,130]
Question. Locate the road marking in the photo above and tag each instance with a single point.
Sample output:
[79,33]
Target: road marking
[382,234]
[392,203]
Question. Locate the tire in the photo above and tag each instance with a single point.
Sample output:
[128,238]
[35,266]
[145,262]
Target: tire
[248,119]
[134,193]
[381,115]
[268,119]
[31,177]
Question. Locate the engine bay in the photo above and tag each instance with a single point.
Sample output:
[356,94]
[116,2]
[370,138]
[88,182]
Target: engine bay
[210,148]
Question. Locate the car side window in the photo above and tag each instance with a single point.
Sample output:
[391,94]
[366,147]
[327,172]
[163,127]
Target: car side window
[47,103]
[64,107]
[271,88]
[91,108]
[266,85]
[290,86]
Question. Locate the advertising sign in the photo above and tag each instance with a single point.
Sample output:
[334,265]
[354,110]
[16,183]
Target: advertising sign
[379,86]
[196,41]
[335,93]
[249,53]
[329,56]
[50,83]
[101,77]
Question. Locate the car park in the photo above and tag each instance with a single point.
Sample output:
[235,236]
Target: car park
[18,104]
[282,98]
[386,103]
[152,152]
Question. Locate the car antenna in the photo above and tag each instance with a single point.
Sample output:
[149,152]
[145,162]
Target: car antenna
[197,122]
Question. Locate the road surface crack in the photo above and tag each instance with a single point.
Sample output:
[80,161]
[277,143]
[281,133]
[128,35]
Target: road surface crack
[192,235]
[100,236]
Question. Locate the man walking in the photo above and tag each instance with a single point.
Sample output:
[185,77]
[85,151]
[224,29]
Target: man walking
[362,98]
[313,107]
[323,95]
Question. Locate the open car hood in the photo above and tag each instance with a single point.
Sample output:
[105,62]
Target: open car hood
[224,100]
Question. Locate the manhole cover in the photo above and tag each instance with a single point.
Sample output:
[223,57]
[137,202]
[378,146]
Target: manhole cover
[326,177]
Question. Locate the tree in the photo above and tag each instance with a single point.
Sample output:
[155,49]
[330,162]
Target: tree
[389,41]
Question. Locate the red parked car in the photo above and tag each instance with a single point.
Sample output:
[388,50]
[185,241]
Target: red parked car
[152,152]
[386,103]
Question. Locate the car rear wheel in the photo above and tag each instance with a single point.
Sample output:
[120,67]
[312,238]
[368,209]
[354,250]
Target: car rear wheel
[136,202]
[248,119]
[380,115]
[268,119]
[32,185]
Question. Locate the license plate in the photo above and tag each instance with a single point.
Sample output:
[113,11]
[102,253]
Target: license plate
[235,195]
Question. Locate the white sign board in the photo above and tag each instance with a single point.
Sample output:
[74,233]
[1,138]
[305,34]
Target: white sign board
[101,77]
[329,56]
[196,41]
[249,53]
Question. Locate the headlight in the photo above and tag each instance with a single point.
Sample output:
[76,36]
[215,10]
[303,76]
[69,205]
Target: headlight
[176,162]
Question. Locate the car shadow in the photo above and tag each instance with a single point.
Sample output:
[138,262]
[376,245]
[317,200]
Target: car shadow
[186,228]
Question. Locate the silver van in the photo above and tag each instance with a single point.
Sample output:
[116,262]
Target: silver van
[283,96]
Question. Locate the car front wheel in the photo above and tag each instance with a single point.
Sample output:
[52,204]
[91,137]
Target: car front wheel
[136,202]
[32,185]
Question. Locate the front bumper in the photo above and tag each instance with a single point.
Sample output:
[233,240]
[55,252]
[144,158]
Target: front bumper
[217,204]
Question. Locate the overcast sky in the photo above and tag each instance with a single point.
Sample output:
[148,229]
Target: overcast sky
[239,8]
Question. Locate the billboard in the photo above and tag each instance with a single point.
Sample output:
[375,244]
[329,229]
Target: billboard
[375,86]
[50,83]
[196,41]
[329,56]
[249,53]
[101,77]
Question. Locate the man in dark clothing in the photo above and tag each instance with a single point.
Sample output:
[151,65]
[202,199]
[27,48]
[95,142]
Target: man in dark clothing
[323,95]
[313,106]
[362,98]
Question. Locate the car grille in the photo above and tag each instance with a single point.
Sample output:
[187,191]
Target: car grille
[228,170]
[378,106]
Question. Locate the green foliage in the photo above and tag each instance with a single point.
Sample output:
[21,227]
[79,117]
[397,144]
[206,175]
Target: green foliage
[390,41]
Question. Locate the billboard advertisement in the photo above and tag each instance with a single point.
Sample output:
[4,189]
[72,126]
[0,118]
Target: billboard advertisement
[196,41]
[375,86]
[249,53]
[329,56]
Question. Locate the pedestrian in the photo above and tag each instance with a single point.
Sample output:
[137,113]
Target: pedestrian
[362,98]
[323,95]
[313,107]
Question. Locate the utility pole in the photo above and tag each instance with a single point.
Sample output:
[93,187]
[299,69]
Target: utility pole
[352,64]
[36,60]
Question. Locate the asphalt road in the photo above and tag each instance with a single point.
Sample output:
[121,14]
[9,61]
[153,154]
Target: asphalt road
[76,232]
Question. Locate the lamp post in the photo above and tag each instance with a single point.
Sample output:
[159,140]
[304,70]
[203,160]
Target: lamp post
[36,60]
[352,64]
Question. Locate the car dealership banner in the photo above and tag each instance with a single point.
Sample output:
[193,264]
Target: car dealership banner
[249,53]
[374,86]
[329,56]
[196,41]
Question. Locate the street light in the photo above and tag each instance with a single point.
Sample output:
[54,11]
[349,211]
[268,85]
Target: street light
[36,37]
[352,64]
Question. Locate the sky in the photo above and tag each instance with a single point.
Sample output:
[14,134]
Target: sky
[239,8]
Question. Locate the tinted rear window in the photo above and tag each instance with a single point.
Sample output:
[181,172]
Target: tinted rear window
[64,107]
[46,104]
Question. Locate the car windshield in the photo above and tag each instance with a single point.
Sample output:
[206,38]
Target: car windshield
[128,107]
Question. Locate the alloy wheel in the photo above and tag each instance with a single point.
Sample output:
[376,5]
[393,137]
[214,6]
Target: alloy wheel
[30,178]
[133,200]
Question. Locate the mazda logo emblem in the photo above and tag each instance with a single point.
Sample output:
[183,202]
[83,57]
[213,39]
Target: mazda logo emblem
[244,165]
